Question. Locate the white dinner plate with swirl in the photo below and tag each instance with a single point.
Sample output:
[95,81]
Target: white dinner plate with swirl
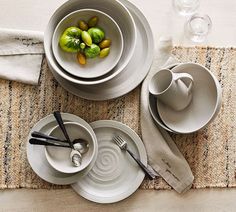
[37,158]
[115,175]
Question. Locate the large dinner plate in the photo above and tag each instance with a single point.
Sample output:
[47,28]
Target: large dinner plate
[36,154]
[133,73]
[115,174]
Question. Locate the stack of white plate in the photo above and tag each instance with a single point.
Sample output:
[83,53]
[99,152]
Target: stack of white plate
[134,61]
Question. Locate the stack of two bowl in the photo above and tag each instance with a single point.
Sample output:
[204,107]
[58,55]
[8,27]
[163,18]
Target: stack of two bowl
[100,78]
[54,164]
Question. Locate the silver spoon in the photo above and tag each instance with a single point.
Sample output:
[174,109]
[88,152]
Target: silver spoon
[80,144]
[75,155]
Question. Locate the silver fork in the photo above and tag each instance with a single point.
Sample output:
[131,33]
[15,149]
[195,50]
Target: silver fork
[124,146]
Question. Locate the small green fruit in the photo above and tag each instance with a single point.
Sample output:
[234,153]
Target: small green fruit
[82,45]
[83,25]
[92,51]
[104,52]
[86,38]
[105,43]
[96,34]
[93,21]
[70,39]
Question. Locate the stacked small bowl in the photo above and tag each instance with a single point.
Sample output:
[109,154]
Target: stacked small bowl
[118,24]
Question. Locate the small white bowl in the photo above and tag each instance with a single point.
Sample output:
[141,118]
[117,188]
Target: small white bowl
[59,157]
[97,66]
[205,104]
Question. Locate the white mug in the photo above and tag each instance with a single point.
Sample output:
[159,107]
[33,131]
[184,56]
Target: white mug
[169,88]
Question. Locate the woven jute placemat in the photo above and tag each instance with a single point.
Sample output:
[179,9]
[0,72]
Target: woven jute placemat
[209,152]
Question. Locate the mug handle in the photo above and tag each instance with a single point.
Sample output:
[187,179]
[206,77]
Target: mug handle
[185,76]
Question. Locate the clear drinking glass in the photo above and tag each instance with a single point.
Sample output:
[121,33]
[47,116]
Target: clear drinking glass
[197,27]
[185,7]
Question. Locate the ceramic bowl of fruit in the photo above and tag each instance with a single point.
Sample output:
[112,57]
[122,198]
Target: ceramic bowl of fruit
[119,13]
[87,43]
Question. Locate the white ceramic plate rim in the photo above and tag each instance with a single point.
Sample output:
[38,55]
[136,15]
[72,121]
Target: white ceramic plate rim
[118,89]
[217,105]
[100,71]
[140,174]
[105,78]
[69,178]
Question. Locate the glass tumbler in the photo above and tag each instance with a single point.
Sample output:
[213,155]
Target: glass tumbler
[197,27]
[185,7]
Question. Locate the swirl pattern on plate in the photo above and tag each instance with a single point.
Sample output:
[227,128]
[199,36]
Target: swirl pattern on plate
[109,163]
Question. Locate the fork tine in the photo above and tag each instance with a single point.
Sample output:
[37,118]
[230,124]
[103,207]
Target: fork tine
[120,142]
[120,139]
[117,140]
[124,146]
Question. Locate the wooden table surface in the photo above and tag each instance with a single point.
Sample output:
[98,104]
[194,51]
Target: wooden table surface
[34,15]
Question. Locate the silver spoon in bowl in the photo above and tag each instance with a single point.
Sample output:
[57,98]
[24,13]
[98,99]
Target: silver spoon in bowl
[75,155]
[80,144]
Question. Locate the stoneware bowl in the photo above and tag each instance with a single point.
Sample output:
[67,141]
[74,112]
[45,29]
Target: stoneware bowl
[115,10]
[94,67]
[59,157]
[205,104]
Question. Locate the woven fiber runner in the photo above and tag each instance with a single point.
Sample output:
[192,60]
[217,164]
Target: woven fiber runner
[210,152]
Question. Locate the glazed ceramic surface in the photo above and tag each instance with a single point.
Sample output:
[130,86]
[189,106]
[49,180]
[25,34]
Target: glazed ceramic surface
[36,154]
[205,104]
[169,88]
[59,158]
[115,174]
[94,67]
[152,106]
[130,77]
[114,9]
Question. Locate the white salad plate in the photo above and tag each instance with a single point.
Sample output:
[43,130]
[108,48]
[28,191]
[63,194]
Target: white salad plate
[133,73]
[117,11]
[115,175]
[205,104]
[95,67]
[36,153]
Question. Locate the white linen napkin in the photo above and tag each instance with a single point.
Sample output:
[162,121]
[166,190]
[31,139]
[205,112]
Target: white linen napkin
[21,54]
[163,154]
